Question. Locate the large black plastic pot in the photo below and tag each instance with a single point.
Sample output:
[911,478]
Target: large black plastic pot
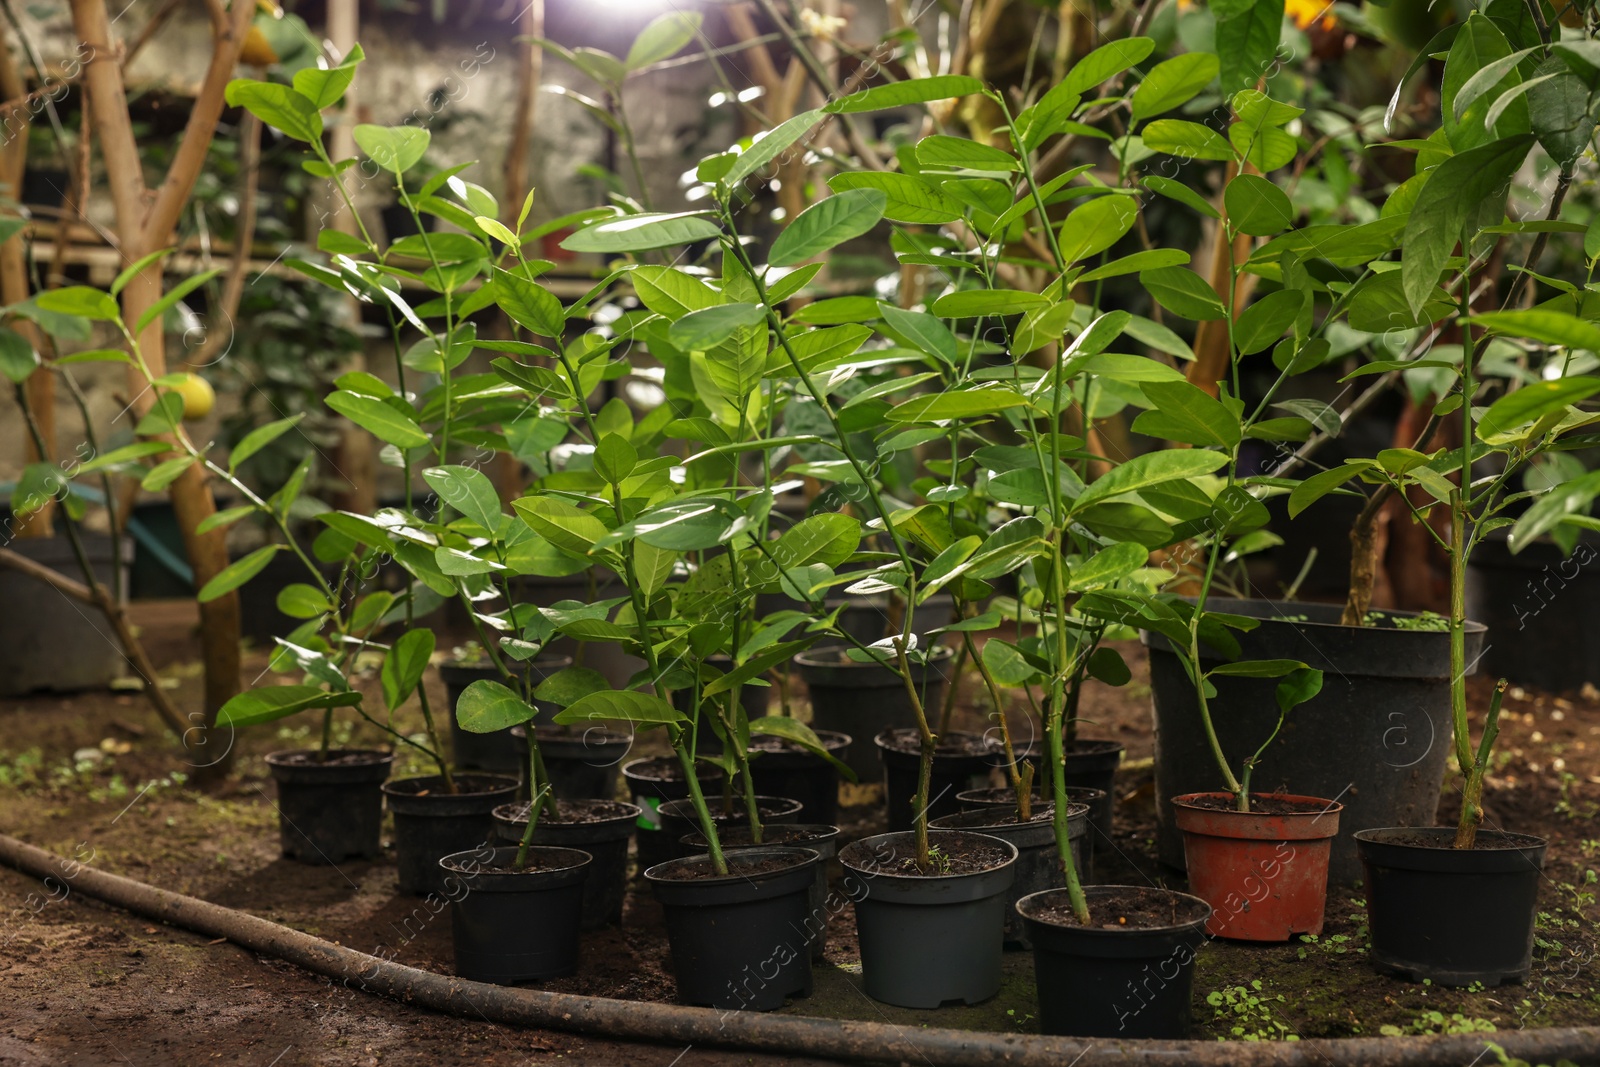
[1107,980]
[652,781]
[48,641]
[679,819]
[498,751]
[1451,916]
[955,770]
[581,763]
[823,840]
[431,823]
[330,810]
[514,925]
[864,699]
[1038,864]
[602,828]
[783,769]
[738,941]
[1543,609]
[927,939]
[1374,739]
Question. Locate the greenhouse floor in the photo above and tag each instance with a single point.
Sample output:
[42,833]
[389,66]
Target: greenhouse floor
[90,776]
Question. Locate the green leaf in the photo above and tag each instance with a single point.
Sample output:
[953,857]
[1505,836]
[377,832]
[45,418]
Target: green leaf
[529,304]
[1187,140]
[777,141]
[278,106]
[1247,43]
[1455,191]
[1182,292]
[1152,468]
[908,198]
[1258,668]
[165,473]
[798,733]
[301,601]
[672,293]
[972,303]
[1173,83]
[829,539]
[615,458]
[1301,685]
[662,38]
[1094,227]
[956,404]
[568,528]
[1150,259]
[1176,190]
[642,709]
[1534,401]
[1322,483]
[237,573]
[570,685]
[324,88]
[1106,567]
[1546,326]
[642,233]
[260,438]
[1257,206]
[904,93]
[701,331]
[958,153]
[79,300]
[274,702]
[485,707]
[1187,413]
[18,360]
[469,491]
[379,419]
[1107,61]
[829,222]
[1569,498]
[1108,666]
[922,331]
[394,148]
[170,299]
[132,270]
[1263,322]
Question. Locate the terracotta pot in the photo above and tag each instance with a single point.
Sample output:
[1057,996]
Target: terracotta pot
[1265,875]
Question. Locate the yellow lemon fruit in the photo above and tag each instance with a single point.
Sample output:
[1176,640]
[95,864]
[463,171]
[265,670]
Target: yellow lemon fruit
[198,396]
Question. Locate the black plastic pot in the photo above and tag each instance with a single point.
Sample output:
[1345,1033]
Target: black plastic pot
[1038,865]
[1090,765]
[679,819]
[1123,982]
[500,751]
[652,781]
[926,940]
[783,769]
[821,839]
[605,881]
[953,773]
[1543,609]
[46,640]
[1451,916]
[582,763]
[431,823]
[330,810]
[514,925]
[864,699]
[1375,738]
[738,941]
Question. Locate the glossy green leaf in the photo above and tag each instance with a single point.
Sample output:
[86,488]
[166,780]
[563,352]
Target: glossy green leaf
[237,573]
[830,221]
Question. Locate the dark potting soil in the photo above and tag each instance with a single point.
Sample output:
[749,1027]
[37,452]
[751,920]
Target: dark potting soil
[1133,908]
[1484,842]
[576,812]
[910,742]
[999,815]
[1262,805]
[740,865]
[720,813]
[466,785]
[960,855]
[777,834]
[667,769]
[337,759]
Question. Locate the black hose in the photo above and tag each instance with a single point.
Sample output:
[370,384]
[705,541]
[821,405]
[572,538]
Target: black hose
[752,1031]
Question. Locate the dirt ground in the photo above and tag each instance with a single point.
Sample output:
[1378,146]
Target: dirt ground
[93,776]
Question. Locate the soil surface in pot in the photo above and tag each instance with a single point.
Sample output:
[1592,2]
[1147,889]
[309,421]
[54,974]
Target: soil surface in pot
[575,812]
[1138,909]
[81,978]
[466,785]
[1259,805]
[1482,843]
[962,855]
[739,866]
[909,741]
[776,834]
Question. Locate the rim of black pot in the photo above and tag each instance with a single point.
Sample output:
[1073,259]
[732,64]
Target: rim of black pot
[516,813]
[803,857]
[455,861]
[404,786]
[697,840]
[1387,631]
[790,806]
[912,731]
[947,822]
[1027,904]
[910,835]
[835,656]
[281,759]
